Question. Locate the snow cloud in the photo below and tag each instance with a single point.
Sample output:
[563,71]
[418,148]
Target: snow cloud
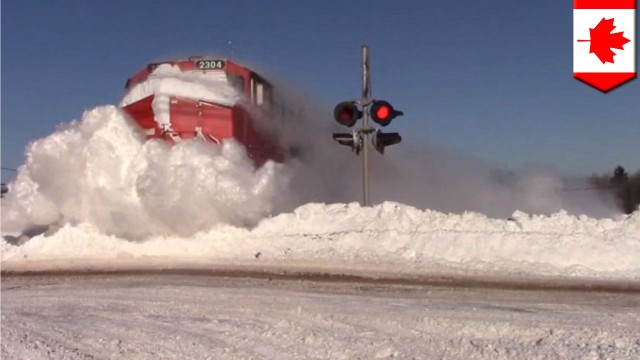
[100,170]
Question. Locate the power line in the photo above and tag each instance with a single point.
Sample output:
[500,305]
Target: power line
[9,169]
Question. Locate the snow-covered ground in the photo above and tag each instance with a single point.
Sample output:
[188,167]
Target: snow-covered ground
[181,317]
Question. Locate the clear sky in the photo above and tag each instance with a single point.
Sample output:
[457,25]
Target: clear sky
[490,78]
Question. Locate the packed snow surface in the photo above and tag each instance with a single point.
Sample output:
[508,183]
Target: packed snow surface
[94,193]
[165,317]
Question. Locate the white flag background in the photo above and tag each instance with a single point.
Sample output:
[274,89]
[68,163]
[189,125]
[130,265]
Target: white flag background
[585,62]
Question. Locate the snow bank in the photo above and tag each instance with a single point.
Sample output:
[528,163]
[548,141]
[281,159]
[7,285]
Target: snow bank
[390,236]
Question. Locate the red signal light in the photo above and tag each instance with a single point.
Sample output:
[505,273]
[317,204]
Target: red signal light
[347,113]
[382,112]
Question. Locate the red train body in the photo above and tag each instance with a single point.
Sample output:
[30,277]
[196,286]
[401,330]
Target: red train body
[207,98]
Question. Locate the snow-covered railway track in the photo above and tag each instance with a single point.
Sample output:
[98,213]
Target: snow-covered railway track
[365,279]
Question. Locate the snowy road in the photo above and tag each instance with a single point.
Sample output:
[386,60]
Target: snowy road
[185,316]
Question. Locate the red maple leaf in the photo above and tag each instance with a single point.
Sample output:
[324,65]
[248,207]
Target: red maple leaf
[602,40]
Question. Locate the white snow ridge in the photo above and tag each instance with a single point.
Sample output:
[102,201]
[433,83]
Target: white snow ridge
[386,237]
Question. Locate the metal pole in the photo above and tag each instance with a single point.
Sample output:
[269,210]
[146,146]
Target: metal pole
[366,92]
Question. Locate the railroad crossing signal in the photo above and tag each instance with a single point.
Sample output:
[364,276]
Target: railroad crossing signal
[381,140]
[347,113]
[353,140]
[382,112]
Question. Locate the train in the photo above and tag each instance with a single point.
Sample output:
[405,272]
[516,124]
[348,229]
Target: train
[207,98]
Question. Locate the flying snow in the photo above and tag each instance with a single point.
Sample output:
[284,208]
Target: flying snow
[99,170]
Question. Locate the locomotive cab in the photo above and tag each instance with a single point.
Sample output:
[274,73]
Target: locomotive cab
[209,99]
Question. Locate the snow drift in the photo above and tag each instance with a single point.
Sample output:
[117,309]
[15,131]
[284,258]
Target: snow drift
[387,237]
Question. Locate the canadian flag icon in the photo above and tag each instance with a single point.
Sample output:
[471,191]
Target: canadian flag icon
[604,42]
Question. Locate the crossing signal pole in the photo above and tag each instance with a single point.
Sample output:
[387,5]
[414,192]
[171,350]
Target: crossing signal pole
[366,100]
[381,112]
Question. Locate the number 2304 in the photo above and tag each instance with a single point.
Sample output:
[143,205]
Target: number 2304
[210,64]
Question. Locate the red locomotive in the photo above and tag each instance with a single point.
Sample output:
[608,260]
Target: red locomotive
[211,99]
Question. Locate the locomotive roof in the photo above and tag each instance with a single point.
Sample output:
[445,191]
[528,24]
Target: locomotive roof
[194,63]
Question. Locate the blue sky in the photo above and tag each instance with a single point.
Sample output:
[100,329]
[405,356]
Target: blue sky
[492,79]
